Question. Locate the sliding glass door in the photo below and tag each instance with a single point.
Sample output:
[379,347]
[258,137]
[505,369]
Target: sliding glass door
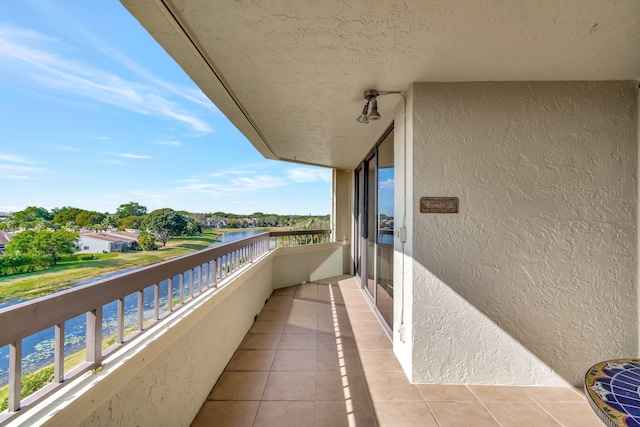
[384,230]
[373,246]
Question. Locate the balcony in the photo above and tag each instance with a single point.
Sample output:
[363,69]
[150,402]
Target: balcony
[282,344]
[317,356]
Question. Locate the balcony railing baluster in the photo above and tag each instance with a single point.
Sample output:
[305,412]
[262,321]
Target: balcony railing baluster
[120,321]
[207,275]
[170,294]
[15,375]
[156,301]
[191,283]
[140,310]
[94,337]
[58,362]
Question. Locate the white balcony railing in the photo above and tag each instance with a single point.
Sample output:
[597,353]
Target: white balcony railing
[184,280]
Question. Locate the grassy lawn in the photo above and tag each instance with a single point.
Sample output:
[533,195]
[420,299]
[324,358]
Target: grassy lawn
[70,269]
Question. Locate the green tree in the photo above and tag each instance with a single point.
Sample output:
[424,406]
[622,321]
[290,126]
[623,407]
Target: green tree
[131,209]
[146,241]
[234,223]
[24,263]
[32,213]
[65,215]
[130,222]
[54,243]
[271,221]
[164,224]
[201,219]
[110,221]
[192,227]
[11,224]
[22,242]
[89,218]
[72,226]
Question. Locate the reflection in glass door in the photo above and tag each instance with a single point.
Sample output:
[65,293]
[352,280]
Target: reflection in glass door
[384,231]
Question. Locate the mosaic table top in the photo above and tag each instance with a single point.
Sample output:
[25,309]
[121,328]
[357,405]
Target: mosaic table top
[613,391]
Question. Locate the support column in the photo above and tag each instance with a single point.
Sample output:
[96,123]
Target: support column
[341,184]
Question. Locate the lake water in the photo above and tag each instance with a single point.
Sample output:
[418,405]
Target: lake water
[38,348]
[236,235]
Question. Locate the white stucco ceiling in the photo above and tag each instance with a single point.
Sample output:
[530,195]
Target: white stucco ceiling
[291,74]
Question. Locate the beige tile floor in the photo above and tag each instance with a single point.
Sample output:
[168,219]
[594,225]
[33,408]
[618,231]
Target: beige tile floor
[317,356]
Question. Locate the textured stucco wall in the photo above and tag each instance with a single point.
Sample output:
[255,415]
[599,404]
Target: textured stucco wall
[535,279]
[341,186]
[298,264]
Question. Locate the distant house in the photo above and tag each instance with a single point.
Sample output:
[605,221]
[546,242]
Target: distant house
[4,239]
[107,242]
[130,235]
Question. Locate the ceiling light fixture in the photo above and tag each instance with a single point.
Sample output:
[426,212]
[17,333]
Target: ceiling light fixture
[363,117]
[371,96]
[374,115]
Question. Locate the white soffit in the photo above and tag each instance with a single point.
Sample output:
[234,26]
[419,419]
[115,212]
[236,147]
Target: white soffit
[291,74]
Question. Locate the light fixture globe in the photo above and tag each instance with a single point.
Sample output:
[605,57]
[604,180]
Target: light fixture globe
[363,117]
[370,95]
[374,115]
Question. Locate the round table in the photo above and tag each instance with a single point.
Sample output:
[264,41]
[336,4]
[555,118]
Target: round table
[613,390]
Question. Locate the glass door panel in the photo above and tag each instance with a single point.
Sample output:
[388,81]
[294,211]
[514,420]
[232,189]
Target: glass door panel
[358,214]
[370,206]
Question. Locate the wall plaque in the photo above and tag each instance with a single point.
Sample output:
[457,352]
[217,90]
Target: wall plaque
[439,205]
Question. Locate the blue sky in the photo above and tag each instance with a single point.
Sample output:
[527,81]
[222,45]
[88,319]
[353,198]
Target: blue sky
[93,114]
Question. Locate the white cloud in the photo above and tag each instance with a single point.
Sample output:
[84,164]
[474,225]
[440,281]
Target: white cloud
[15,159]
[227,172]
[386,185]
[14,171]
[309,175]
[173,143]
[190,94]
[17,167]
[132,156]
[259,182]
[35,57]
[233,185]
